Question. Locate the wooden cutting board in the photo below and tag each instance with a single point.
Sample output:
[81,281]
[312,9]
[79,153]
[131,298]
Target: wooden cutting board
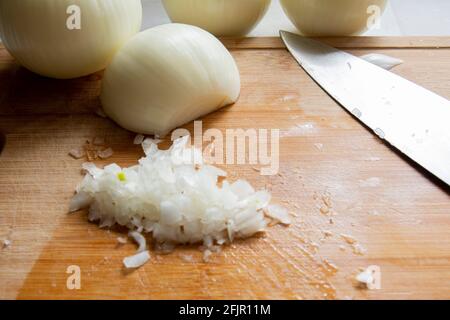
[394,210]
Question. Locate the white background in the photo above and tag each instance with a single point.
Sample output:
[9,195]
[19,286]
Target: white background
[402,17]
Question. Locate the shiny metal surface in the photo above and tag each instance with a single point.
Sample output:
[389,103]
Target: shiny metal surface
[411,118]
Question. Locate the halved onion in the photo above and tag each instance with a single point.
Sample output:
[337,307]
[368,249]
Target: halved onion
[167,76]
[175,199]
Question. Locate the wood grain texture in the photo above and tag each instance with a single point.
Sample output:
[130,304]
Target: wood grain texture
[402,221]
[344,42]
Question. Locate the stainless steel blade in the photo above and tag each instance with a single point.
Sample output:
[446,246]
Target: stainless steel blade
[411,118]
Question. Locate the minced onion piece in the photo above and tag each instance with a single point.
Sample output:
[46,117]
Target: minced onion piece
[149,143]
[174,198]
[206,255]
[139,139]
[105,154]
[364,277]
[381,60]
[278,213]
[80,201]
[136,260]
[187,258]
[140,240]
[92,169]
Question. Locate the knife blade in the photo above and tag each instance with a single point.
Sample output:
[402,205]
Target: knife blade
[411,118]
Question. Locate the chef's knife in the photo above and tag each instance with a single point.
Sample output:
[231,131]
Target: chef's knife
[411,118]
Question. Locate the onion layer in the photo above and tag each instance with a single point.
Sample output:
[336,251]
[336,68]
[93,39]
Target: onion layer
[176,199]
[37,35]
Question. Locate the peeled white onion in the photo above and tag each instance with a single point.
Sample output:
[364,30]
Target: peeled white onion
[220,17]
[167,76]
[36,33]
[331,17]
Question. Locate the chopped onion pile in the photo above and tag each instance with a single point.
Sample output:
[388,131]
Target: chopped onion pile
[121,240]
[365,277]
[139,139]
[174,196]
[6,243]
[140,240]
[105,154]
